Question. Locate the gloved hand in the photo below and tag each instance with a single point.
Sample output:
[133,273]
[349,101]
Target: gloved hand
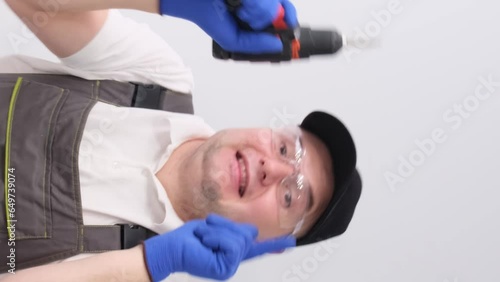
[211,248]
[214,18]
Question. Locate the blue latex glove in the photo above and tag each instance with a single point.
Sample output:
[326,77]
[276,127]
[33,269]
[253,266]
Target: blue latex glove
[213,17]
[211,248]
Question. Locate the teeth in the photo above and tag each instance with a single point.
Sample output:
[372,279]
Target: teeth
[243,176]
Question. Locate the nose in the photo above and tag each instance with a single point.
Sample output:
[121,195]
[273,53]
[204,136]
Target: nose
[273,171]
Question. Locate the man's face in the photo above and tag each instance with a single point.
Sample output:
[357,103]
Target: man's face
[246,158]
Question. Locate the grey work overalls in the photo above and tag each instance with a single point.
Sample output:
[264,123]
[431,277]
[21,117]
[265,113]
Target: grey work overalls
[42,118]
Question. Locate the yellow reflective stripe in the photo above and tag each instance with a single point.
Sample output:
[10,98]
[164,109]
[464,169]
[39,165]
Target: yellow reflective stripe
[10,116]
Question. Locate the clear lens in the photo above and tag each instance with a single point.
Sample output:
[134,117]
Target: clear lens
[293,201]
[292,193]
[287,143]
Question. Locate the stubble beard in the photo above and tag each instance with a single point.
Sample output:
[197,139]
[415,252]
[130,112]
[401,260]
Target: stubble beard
[205,199]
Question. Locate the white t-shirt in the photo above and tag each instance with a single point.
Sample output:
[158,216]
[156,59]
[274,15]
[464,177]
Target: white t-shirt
[123,148]
[121,151]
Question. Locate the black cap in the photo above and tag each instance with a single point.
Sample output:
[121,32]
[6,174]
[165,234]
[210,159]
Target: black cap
[347,182]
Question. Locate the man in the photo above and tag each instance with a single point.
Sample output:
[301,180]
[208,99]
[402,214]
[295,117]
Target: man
[160,169]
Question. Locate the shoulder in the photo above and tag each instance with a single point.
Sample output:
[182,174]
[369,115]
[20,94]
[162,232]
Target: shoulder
[128,50]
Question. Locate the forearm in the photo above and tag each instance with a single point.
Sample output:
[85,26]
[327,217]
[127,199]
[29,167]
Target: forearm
[125,265]
[151,6]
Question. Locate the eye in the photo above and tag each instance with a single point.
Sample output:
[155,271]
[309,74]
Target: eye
[288,199]
[283,150]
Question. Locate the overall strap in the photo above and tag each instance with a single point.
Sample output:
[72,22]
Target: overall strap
[100,238]
[160,98]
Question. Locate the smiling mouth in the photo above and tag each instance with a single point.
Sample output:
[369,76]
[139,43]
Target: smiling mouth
[243,174]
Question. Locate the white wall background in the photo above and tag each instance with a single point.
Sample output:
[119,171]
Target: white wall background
[442,223]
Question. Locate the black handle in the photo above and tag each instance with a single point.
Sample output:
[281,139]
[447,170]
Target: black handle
[285,34]
[285,55]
